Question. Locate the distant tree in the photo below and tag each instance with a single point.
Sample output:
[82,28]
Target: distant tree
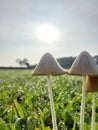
[23,62]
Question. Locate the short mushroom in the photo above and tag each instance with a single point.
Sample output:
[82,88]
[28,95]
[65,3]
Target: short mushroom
[48,66]
[83,65]
[91,85]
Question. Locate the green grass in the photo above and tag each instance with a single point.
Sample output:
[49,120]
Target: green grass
[25,105]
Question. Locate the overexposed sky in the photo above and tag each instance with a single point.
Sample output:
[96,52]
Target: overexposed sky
[76,22]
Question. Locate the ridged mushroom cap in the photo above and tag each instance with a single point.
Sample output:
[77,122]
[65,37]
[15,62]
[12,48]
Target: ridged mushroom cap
[48,65]
[91,84]
[84,64]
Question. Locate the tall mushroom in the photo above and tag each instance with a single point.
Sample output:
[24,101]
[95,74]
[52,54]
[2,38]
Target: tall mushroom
[49,66]
[83,65]
[91,85]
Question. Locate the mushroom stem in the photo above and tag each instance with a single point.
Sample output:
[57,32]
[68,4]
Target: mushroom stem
[93,112]
[82,106]
[52,105]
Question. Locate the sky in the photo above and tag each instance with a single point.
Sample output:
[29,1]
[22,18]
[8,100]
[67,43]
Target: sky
[76,22]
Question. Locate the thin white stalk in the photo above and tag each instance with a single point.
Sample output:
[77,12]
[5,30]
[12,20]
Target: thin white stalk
[82,106]
[52,105]
[93,112]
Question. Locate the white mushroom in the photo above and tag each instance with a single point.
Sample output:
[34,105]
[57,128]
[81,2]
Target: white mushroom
[49,66]
[83,65]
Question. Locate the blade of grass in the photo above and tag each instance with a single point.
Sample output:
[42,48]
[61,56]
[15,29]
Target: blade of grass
[19,109]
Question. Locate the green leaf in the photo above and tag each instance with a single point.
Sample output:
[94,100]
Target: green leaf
[19,109]
[74,125]
[12,126]
[3,125]
[42,119]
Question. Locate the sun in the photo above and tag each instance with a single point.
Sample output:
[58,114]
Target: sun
[47,33]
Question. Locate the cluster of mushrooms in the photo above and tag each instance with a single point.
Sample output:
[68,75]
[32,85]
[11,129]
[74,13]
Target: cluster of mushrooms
[84,65]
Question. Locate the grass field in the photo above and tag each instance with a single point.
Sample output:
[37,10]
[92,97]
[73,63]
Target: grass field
[24,102]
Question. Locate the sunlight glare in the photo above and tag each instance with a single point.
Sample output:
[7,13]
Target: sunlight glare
[47,33]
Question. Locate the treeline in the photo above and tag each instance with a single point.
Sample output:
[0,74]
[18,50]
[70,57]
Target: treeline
[65,62]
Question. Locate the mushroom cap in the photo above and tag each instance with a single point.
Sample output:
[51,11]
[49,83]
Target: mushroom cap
[84,64]
[91,84]
[48,65]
